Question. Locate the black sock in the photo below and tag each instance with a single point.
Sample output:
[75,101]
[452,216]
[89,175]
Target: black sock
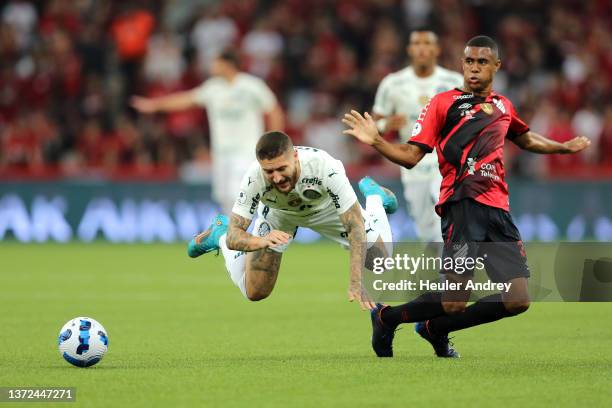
[426,306]
[485,310]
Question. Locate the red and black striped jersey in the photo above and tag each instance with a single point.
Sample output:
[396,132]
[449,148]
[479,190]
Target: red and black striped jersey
[468,133]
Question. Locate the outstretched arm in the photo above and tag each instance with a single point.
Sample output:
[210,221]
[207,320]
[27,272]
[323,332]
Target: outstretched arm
[537,143]
[239,239]
[174,102]
[352,219]
[364,129]
[276,118]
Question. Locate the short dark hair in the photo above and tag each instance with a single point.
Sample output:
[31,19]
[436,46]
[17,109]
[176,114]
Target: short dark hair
[272,145]
[485,42]
[424,29]
[230,55]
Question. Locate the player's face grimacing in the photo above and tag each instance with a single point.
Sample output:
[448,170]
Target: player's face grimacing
[423,48]
[479,67]
[281,171]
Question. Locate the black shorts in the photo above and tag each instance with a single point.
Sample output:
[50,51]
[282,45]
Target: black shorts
[471,229]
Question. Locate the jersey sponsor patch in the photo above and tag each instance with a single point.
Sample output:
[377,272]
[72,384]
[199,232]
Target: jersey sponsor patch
[254,203]
[242,197]
[312,180]
[416,129]
[335,198]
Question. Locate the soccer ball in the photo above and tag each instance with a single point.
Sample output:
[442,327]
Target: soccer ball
[83,341]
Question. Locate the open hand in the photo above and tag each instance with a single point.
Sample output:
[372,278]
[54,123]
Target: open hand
[577,144]
[357,292]
[143,105]
[362,128]
[276,238]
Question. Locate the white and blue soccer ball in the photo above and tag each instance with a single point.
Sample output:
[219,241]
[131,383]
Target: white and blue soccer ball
[83,341]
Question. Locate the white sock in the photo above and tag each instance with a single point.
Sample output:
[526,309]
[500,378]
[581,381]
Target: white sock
[374,207]
[235,263]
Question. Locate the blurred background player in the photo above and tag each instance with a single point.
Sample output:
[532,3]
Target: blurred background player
[236,103]
[399,100]
[290,187]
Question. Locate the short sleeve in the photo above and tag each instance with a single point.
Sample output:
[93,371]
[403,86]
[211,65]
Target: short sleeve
[339,187]
[264,96]
[383,103]
[517,125]
[427,126]
[203,93]
[251,188]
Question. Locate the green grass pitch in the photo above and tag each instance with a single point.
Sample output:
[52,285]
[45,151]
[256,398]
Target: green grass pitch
[182,335]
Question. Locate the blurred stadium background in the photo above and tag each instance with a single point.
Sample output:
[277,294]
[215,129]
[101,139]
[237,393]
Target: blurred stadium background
[77,163]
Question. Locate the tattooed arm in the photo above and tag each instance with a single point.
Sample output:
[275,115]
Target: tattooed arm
[353,223]
[239,239]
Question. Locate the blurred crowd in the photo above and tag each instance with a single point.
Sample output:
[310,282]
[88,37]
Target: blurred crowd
[69,67]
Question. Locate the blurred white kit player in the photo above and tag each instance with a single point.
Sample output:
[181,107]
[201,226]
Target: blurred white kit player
[399,100]
[235,115]
[235,103]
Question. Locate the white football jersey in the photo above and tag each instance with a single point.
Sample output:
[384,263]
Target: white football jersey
[403,92]
[321,187]
[235,112]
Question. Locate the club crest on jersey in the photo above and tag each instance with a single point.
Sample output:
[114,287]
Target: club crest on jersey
[311,194]
[487,108]
[294,200]
[423,99]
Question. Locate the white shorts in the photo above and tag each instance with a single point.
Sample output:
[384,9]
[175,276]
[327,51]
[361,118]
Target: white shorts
[326,223]
[227,176]
[422,196]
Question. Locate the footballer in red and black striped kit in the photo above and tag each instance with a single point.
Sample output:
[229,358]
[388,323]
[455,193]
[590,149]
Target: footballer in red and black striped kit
[468,132]
[468,128]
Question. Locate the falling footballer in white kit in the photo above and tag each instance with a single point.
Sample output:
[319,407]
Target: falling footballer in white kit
[321,194]
[404,93]
[235,113]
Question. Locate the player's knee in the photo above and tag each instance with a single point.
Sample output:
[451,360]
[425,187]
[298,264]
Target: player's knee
[517,307]
[453,308]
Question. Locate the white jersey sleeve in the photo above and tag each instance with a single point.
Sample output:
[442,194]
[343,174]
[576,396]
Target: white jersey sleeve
[264,97]
[251,190]
[383,102]
[338,186]
[203,93]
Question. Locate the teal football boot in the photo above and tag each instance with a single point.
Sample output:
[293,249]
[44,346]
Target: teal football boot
[368,187]
[208,240]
